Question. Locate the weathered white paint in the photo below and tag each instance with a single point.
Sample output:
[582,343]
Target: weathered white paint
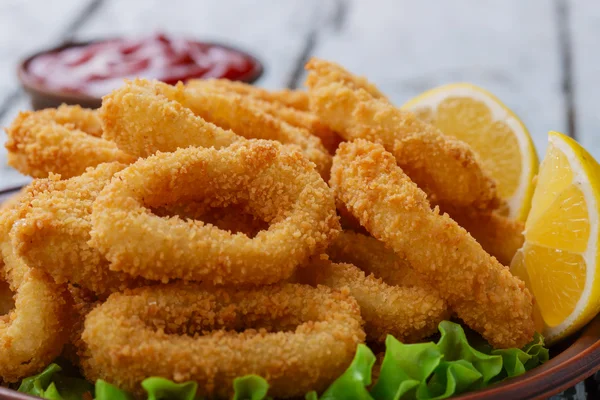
[585,34]
[506,46]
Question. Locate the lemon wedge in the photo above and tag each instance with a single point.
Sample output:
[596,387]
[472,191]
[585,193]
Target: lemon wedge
[559,259]
[477,117]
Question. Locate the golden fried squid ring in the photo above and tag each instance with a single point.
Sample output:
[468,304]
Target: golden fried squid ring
[53,233]
[64,141]
[34,332]
[276,184]
[373,257]
[394,210]
[500,236]
[292,116]
[284,333]
[290,98]
[445,168]
[144,117]
[408,313]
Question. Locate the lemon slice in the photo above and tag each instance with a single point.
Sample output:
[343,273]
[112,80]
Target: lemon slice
[478,118]
[559,259]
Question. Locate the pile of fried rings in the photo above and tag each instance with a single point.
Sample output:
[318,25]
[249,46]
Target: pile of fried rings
[211,230]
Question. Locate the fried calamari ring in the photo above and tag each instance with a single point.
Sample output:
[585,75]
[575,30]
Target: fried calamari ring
[34,332]
[445,168]
[292,116]
[394,210]
[284,333]
[373,257]
[290,98]
[144,117]
[244,117]
[276,184]
[408,313]
[499,235]
[64,141]
[53,233]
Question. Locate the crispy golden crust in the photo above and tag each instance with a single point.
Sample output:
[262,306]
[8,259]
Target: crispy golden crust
[290,98]
[270,181]
[83,301]
[244,117]
[479,289]
[373,257]
[297,337]
[53,233]
[445,168]
[298,118]
[144,117]
[327,71]
[408,313]
[34,332]
[63,141]
[500,236]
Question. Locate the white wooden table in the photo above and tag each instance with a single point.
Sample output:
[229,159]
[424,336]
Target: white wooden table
[539,56]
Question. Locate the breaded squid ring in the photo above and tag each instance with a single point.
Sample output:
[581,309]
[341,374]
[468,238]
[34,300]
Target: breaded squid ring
[394,210]
[34,332]
[52,234]
[276,184]
[445,168]
[499,235]
[373,257]
[408,313]
[143,117]
[297,99]
[292,116]
[241,115]
[64,141]
[291,333]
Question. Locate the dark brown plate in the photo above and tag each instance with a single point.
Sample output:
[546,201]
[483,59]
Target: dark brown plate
[42,97]
[572,361]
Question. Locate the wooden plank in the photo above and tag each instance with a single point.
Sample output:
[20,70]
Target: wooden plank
[584,25]
[27,26]
[275,31]
[506,46]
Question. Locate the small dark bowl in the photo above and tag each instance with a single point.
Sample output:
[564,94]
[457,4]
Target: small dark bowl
[42,97]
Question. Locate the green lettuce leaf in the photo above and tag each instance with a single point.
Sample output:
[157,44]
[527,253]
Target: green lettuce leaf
[250,387]
[52,384]
[449,378]
[404,368]
[106,391]
[165,389]
[353,383]
[454,346]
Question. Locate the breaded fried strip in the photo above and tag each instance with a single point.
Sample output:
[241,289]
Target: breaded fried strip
[297,99]
[445,168]
[500,236]
[298,118]
[64,141]
[394,210]
[408,313]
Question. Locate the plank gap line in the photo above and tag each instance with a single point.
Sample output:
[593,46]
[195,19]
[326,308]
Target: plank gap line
[566,58]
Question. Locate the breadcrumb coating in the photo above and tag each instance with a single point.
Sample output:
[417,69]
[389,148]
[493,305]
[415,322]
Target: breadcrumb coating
[53,233]
[394,210]
[64,141]
[272,182]
[297,337]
